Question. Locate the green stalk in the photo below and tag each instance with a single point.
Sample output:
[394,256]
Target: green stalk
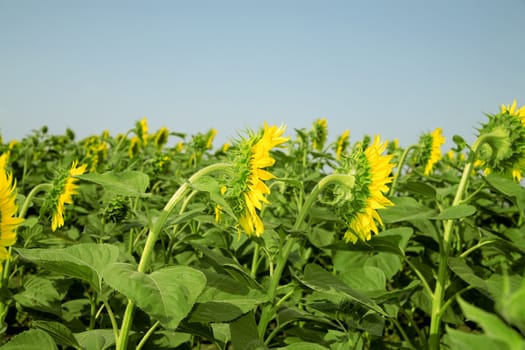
[400,167]
[122,341]
[444,252]
[282,259]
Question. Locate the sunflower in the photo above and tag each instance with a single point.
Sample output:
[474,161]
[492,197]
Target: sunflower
[8,209]
[504,147]
[342,144]
[372,172]
[319,133]
[161,137]
[141,129]
[64,187]
[430,149]
[248,187]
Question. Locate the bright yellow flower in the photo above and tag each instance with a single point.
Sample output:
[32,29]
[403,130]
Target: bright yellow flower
[8,208]
[252,190]
[435,152]
[342,144]
[372,179]
[66,187]
[211,136]
[142,130]
[511,109]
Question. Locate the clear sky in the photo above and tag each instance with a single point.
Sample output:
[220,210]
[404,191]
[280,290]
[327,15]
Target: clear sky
[397,68]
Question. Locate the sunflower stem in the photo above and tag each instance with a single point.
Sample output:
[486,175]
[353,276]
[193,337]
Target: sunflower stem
[444,252]
[122,341]
[400,167]
[282,259]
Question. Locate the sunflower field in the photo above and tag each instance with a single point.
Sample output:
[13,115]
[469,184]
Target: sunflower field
[157,240]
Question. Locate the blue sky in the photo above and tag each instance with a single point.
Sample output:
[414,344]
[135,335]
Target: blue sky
[397,68]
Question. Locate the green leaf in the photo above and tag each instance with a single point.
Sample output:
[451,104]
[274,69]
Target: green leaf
[462,340]
[60,333]
[508,187]
[40,294]
[303,346]
[244,333]
[465,272]
[456,212]
[318,279]
[167,295]
[389,244]
[419,187]
[493,326]
[225,299]
[212,186]
[405,209]
[85,261]
[96,339]
[364,278]
[33,339]
[127,183]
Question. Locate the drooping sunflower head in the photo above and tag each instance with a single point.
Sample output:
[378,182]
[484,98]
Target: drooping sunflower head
[248,190]
[372,172]
[503,149]
[342,143]
[8,209]
[161,137]
[141,130]
[64,187]
[210,137]
[430,149]
[319,133]
[134,146]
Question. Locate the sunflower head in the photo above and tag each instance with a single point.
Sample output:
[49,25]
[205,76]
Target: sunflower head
[319,133]
[141,130]
[372,174]
[247,190]
[429,152]
[161,137]
[503,149]
[134,146]
[342,143]
[8,209]
[64,187]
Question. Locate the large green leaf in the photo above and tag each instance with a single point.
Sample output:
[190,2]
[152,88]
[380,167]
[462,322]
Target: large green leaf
[127,183]
[466,341]
[493,327]
[405,209]
[508,187]
[60,333]
[456,212]
[303,346]
[225,299]
[465,272]
[317,278]
[244,333]
[85,261]
[96,339]
[33,339]
[40,294]
[167,295]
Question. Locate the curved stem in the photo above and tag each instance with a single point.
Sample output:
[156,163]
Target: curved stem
[275,278]
[400,167]
[122,341]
